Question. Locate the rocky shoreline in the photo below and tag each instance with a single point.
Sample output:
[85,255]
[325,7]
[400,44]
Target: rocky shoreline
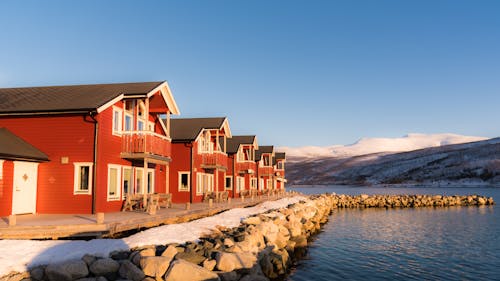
[263,247]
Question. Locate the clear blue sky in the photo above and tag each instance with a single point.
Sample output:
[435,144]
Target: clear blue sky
[293,72]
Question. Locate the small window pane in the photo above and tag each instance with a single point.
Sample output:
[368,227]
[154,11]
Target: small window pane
[113,181]
[83,178]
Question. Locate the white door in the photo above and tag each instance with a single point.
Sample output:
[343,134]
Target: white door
[25,182]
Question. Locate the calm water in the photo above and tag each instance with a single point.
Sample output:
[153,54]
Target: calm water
[455,243]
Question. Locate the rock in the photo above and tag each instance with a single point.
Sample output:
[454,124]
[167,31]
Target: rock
[137,255]
[129,271]
[228,242]
[119,255]
[100,278]
[170,252]
[254,278]
[37,273]
[155,266]
[69,270]
[17,276]
[89,259]
[229,276]
[252,220]
[209,264]
[192,257]
[102,267]
[180,269]
[233,261]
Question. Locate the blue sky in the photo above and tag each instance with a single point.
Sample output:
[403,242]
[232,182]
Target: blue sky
[293,72]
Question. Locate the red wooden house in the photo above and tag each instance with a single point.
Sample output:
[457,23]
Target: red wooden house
[279,169]
[200,161]
[242,166]
[103,141]
[264,158]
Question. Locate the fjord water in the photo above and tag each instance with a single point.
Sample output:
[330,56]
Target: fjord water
[442,243]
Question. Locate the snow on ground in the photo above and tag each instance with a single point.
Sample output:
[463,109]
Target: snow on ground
[375,145]
[19,255]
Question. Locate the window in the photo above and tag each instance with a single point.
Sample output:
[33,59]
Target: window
[240,184]
[204,183]
[184,181]
[280,165]
[138,180]
[229,182]
[151,126]
[253,183]
[1,169]
[151,181]
[261,184]
[114,181]
[127,181]
[204,143]
[129,115]
[141,117]
[266,160]
[269,183]
[83,178]
[117,121]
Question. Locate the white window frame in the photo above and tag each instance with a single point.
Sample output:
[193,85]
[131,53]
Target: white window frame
[1,169]
[261,184]
[280,163]
[240,184]
[117,196]
[152,171]
[230,187]
[143,119]
[131,188]
[117,112]
[268,157]
[269,183]
[128,114]
[76,183]
[179,182]
[201,179]
[205,144]
[199,183]
[138,188]
[253,183]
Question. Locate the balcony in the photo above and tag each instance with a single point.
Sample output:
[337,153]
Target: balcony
[216,160]
[266,171]
[246,167]
[145,145]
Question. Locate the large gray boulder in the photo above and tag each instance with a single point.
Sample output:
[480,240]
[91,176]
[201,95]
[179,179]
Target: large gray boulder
[67,271]
[181,270]
[102,267]
[129,271]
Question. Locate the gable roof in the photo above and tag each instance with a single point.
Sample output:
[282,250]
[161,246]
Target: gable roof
[75,98]
[13,147]
[280,155]
[263,149]
[188,129]
[233,144]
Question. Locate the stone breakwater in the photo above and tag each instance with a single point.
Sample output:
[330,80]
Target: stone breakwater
[408,201]
[263,247]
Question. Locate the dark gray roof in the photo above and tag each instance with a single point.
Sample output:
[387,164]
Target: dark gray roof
[280,155]
[263,149]
[233,144]
[76,98]
[187,129]
[13,147]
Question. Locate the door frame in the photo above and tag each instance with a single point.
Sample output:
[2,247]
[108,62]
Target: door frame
[14,184]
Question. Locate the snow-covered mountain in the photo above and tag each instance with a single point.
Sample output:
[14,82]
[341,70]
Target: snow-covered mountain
[376,145]
[467,163]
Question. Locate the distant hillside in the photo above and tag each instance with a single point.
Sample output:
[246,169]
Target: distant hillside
[474,163]
[376,145]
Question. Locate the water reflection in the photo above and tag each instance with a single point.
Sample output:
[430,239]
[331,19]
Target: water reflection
[442,243]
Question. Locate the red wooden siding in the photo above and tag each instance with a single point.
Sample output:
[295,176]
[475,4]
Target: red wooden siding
[6,188]
[57,136]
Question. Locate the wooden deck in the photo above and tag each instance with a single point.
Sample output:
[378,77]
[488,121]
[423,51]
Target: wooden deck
[72,226]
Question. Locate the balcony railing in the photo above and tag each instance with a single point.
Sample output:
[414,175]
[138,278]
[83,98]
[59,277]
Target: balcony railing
[266,171]
[245,167]
[214,160]
[145,142]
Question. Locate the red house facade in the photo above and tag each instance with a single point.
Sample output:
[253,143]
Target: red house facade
[243,168]
[279,170]
[200,163]
[102,141]
[265,171]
